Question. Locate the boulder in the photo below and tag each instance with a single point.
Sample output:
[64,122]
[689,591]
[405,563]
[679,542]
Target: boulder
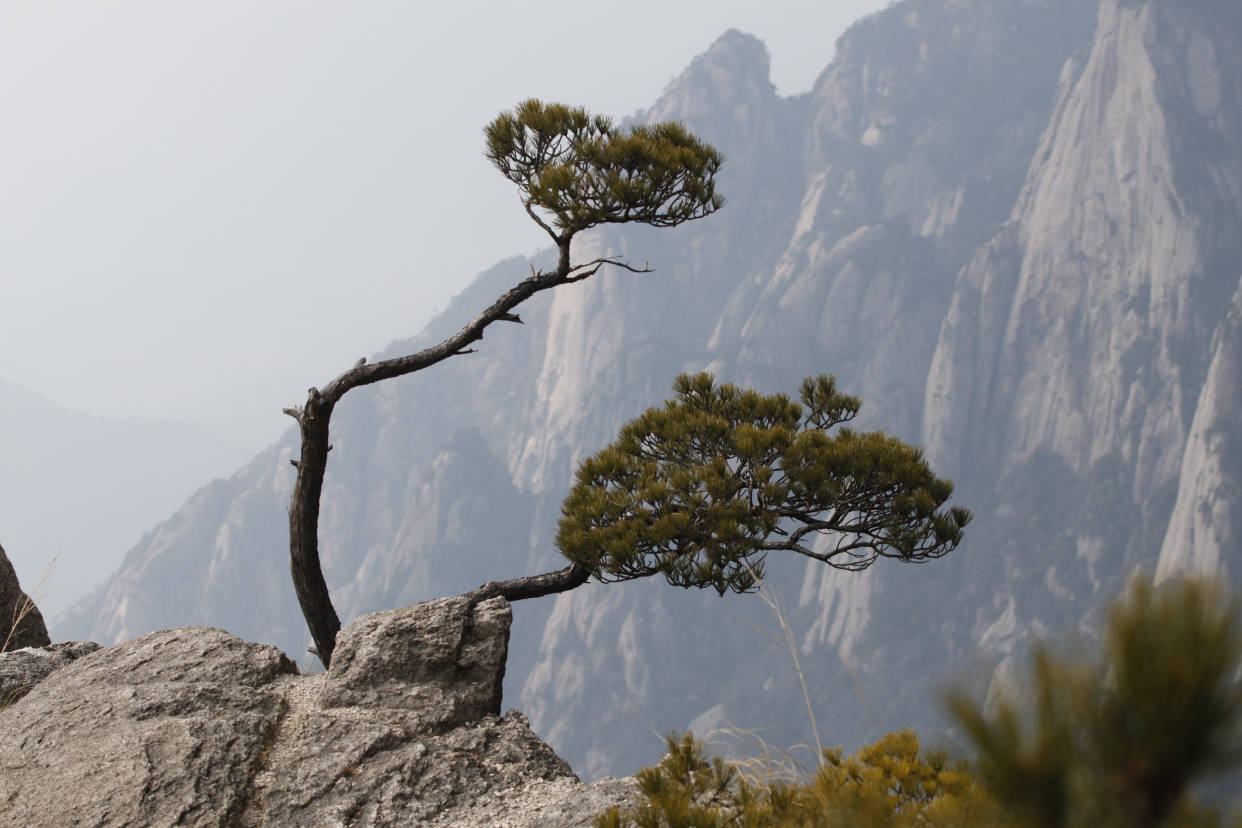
[443,660]
[166,729]
[21,623]
[21,670]
[194,726]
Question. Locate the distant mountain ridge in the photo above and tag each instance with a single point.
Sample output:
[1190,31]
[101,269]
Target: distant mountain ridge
[1009,226]
[70,506]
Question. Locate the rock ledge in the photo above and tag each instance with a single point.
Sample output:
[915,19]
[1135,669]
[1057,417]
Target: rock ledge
[193,726]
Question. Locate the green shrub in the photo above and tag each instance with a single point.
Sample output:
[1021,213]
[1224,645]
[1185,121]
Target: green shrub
[889,783]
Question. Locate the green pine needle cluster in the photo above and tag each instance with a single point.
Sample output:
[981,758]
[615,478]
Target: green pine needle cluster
[702,488]
[585,171]
[687,788]
[1119,739]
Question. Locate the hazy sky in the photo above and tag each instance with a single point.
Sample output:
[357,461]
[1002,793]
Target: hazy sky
[208,207]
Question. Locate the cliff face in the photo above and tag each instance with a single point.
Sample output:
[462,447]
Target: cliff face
[1078,353]
[1009,226]
[1207,517]
[1094,344]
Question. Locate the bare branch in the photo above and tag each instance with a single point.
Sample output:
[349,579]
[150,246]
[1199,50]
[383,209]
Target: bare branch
[533,586]
[581,276]
[595,264]
[531,212]
[499,310]
[615,261]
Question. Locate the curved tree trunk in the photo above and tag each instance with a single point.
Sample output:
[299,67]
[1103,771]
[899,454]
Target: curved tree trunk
[313,421]
[308,580]
[659,175]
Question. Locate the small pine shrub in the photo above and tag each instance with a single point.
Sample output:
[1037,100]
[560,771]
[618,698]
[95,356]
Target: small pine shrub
[889,783]
[1122,738]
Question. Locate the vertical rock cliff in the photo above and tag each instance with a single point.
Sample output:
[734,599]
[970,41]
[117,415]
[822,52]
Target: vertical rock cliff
[1207,517]
[1009,226]
[1081,338]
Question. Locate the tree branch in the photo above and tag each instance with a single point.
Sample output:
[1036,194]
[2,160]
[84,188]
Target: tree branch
[858,561]
[531,212]
[533,586]
[596,264]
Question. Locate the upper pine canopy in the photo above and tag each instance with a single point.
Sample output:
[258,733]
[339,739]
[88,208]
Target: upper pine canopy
[702,488]
[585,171]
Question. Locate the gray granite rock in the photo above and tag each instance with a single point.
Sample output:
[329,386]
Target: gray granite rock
[21,670]
[376,766]
[166,729]
[21,623]
[577,806]
[444,660]
[194,726]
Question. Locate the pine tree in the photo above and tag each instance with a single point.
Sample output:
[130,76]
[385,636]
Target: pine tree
[889,784]
[700,490]
[574,171]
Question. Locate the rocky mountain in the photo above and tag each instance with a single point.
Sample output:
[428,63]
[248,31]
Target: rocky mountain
[1008,225]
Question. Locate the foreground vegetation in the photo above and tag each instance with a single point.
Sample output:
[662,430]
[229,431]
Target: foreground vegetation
[889,783]
[1123,737]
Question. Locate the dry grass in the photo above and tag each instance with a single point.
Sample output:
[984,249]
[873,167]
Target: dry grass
[772,599]
[20,611]
[765,763]
[23,609]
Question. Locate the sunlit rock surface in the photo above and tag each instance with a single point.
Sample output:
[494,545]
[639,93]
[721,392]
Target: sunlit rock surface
[194,726]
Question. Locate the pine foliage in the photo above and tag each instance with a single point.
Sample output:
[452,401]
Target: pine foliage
[585,171]
[1119,740]
[702,488]
[1122,739]
[889,783]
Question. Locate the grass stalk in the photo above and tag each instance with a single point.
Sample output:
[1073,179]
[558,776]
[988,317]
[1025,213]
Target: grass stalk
[26,606]
[772,599]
